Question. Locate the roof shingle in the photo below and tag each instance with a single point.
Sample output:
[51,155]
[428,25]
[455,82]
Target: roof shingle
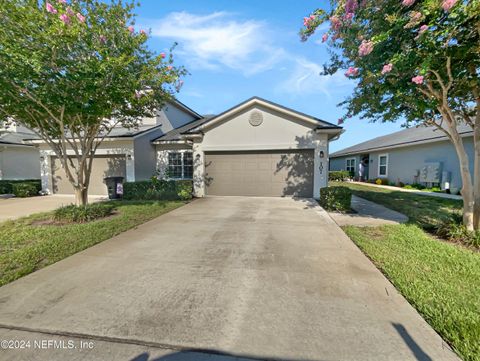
[401,138]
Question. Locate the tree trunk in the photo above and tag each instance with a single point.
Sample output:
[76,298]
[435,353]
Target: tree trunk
[476,168]
[467,187]
[81,196]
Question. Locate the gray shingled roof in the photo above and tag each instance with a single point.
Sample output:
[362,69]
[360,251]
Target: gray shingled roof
[176,134]
[121,132]
[401,138]
[14,138]
[117,132]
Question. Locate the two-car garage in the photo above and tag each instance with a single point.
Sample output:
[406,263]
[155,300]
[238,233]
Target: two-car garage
[274,173]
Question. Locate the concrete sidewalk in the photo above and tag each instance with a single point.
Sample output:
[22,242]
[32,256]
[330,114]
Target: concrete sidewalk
[419,192]
[368,214]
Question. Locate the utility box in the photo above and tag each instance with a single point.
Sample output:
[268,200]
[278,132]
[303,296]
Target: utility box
[446,180]
[431,172]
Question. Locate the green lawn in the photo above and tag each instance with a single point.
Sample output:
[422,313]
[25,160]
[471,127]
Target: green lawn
[440,279]
[26,245]
[425,211]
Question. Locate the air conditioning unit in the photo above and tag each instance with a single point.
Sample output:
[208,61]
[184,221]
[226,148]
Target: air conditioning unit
[431,172]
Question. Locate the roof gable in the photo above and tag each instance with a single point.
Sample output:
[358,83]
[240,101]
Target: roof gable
[318,123]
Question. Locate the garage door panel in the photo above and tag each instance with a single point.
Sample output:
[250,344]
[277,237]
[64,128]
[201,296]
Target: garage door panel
[238,166]
[265,164]
[263,173]
[102,167]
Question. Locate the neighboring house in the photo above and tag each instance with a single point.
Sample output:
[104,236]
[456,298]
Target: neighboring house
[128,153]
[415,155]
[18,159]
[257,148]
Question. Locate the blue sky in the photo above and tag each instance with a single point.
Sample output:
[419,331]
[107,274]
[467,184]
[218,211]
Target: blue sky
[237,49]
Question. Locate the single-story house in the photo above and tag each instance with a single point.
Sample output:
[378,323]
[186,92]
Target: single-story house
[256,148]
[18,159]
[422,155]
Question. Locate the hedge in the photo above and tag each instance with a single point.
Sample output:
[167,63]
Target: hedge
[158,190]
[336,198]
[339,175]
[21,188]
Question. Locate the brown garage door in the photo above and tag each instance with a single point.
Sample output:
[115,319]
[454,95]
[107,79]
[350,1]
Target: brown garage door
[266,173]
[103,166]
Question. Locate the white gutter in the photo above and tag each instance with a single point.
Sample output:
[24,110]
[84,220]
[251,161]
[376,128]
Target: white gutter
[160,142]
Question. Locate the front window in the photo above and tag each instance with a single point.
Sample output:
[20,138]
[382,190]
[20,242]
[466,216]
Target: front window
[383,165]
[180,165]
[350,166]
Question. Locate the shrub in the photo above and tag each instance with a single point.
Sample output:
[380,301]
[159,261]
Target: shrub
[184,190]
[6,186]
[25,189]
[382,181]
[453,230]
[336,198]
[338,175]
[82,214]
[158,189]
[417,186]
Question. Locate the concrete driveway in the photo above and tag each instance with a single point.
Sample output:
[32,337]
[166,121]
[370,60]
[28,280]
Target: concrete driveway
[265,278]
[12,208]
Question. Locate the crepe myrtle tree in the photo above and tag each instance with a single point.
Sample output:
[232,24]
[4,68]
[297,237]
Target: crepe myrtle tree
[73,70]
[415,60]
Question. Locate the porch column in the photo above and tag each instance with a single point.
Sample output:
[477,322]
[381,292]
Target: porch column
[320,165]
[46,171]
[198,170]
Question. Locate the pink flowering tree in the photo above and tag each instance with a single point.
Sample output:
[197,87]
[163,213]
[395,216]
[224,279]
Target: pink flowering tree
[73,70]
[413,60]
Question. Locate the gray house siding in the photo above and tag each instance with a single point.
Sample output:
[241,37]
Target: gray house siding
[403,162]
[340,163]
[145,155]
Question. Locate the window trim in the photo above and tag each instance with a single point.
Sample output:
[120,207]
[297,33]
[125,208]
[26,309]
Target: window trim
[354,164]
[182,160]
[386,166]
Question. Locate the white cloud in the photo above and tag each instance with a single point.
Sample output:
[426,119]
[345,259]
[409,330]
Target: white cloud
[215,40]
[306,79]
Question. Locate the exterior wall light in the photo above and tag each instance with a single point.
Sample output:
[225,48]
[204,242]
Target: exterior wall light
[322,154]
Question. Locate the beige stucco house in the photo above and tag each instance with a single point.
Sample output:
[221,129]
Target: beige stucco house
[128,153]
[257,148]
